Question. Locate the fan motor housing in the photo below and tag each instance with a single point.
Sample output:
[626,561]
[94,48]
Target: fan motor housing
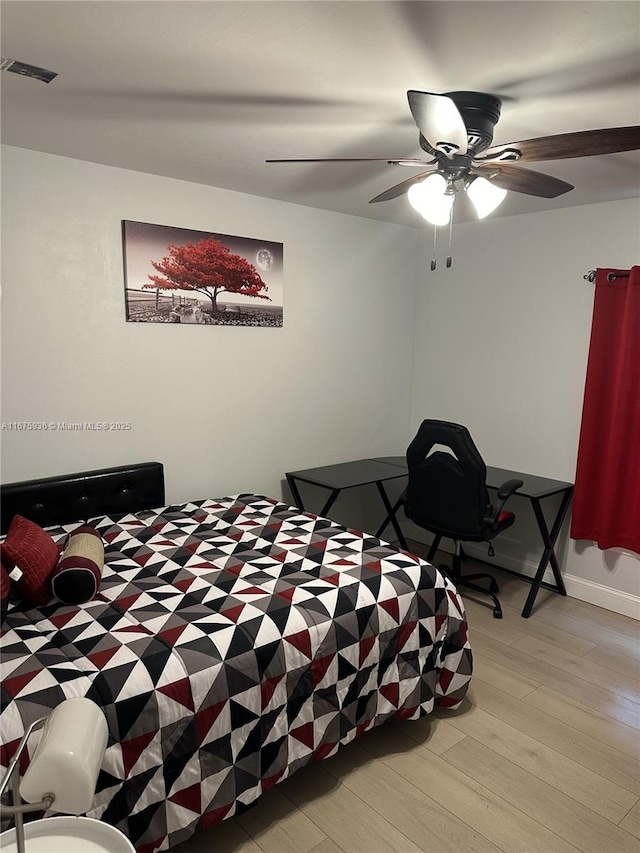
[480,113]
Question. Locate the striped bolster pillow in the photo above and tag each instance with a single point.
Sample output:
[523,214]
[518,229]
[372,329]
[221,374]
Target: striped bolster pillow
[76,578]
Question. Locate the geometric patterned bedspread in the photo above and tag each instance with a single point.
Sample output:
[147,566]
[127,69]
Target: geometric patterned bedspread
[233,641]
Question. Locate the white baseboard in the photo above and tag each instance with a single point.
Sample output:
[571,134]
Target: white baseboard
[603,596]
[624,603]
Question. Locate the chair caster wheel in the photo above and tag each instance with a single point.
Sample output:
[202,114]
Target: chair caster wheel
[497,613]
[493,586]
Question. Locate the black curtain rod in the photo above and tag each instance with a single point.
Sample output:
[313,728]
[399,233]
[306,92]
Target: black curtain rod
[612,276]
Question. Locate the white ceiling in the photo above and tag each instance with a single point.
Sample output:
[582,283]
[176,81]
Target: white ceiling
[205,91]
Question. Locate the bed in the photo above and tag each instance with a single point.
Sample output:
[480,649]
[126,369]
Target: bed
[231,641]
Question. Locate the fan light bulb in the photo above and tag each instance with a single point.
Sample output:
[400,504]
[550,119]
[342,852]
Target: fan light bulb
[430,199]
[485,196]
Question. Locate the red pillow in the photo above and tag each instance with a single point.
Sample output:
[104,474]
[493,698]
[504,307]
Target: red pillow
[5,589]
[32,550]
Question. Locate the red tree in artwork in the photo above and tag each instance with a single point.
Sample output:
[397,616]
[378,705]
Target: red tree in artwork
[207,267]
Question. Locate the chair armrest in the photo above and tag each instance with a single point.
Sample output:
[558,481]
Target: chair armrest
[508,488]
[504,493]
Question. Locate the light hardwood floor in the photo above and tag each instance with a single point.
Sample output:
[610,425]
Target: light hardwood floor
[543,757]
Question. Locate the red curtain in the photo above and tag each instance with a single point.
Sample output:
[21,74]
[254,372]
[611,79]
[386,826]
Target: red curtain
[606,504]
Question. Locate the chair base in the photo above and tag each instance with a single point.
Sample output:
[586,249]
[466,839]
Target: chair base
[469,580]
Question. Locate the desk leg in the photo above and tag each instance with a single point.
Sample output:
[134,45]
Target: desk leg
[298,500]
[387,521]
[330,501]
[295,492]
[549,555]
[391,516]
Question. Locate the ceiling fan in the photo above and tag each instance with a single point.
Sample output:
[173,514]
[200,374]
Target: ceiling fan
[456,132]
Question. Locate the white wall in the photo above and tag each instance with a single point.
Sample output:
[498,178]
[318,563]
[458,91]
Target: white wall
[226,409]
[501,346]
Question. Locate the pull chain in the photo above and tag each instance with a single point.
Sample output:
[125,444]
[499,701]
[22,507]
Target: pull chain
[433,257]
[450,236]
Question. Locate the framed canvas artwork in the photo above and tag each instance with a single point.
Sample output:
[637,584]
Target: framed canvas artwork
[178,275]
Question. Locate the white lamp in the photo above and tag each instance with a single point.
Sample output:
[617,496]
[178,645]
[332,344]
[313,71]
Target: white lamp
[67,759]
[62,777]
[484,195]
[431,199]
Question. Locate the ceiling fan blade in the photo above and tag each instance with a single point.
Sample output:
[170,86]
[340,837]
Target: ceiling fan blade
[439,121]
[404,161]
[563,146]
[523,180]
[400,189]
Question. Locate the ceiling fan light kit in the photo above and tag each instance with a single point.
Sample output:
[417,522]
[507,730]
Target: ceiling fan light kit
[432,198]
[484,195]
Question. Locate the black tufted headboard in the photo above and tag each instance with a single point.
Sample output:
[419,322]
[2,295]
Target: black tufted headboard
[88,494]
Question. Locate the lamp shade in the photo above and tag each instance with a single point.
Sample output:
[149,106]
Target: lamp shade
[485,196]
[431,200]
[67,759]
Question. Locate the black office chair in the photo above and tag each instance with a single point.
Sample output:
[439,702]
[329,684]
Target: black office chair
[447,495]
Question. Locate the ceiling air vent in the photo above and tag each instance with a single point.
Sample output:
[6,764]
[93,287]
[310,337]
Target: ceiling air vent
[27,70]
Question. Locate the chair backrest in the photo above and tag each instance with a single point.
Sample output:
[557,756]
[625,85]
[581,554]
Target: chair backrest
[447,492]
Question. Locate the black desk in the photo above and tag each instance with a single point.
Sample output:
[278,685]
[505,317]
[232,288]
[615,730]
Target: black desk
[361,472]
[348,475]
